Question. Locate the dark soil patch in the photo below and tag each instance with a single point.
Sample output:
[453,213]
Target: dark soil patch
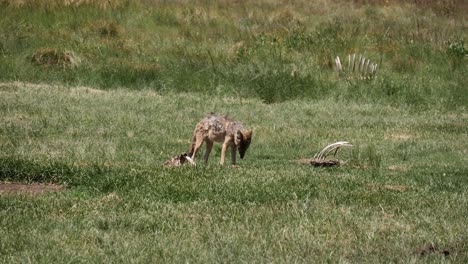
[320,162]
[325,162]
[33,188]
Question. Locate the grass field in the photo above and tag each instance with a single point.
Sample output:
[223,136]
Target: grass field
[96,96]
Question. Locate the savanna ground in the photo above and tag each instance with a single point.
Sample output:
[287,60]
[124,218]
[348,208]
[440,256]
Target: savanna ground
[96,95]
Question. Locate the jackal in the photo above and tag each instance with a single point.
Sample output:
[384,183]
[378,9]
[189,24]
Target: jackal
[216,128]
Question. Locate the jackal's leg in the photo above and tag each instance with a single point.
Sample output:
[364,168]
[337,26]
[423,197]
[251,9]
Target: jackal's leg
[233,154]
[209,146]
[198,143]
[223,152]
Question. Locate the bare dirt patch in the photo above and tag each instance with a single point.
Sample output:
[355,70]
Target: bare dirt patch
[32,188]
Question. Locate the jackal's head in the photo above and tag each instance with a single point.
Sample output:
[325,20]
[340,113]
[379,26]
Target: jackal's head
[243,139]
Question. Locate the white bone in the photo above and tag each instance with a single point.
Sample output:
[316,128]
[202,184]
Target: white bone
[190,160]
[335,146]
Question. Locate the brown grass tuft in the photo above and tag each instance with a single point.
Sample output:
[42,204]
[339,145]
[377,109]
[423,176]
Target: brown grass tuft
[51,57]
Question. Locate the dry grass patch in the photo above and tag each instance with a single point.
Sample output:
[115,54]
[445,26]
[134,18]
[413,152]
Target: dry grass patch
[400,188]
[24,84]
[63,3]
[401,137]
[401,168]
[86,90]
[51,57]
[25,188]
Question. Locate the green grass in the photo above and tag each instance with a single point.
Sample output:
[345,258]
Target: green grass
[96,95]
[265,50]
[403,186]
